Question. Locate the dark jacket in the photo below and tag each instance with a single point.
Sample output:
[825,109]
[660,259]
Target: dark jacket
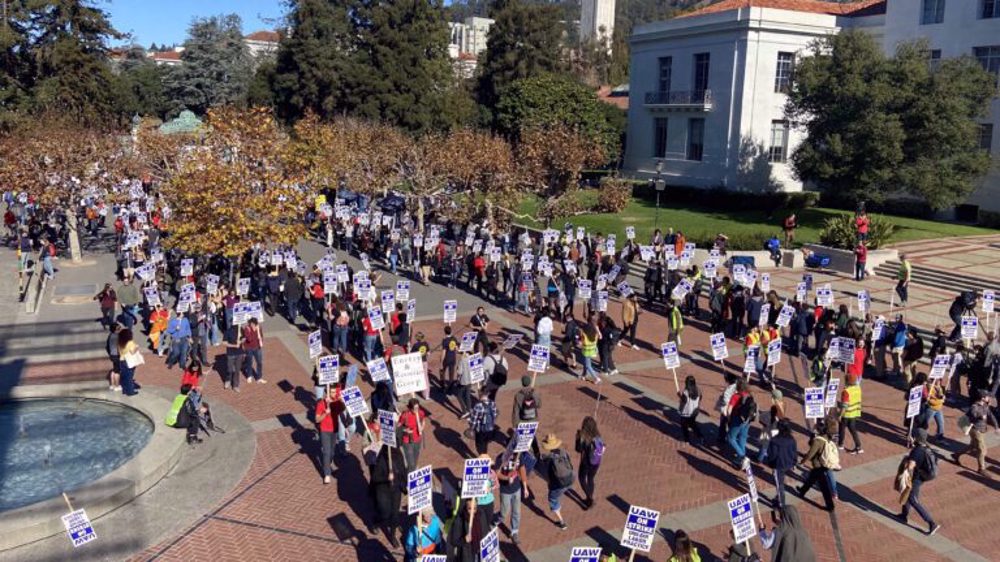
[782,452]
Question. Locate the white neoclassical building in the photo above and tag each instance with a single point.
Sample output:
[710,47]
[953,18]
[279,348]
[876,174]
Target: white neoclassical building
[707,90]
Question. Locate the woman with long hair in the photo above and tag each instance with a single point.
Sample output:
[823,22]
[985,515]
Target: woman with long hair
[128,352]
[684,550]
[690,398]
[590,445]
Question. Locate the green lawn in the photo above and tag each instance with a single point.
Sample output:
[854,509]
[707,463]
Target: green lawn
[703,223]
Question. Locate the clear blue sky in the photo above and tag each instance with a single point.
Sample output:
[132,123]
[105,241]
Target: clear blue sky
[166,21]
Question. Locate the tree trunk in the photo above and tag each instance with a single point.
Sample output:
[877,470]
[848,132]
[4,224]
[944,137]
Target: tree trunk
[420,214]
[74,236]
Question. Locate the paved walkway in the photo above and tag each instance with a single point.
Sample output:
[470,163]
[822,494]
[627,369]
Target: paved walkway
[281,510]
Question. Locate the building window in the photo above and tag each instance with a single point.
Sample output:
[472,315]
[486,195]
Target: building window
[989,57]
[779,142]
[783,75]
[660,137]
[701,61]
[991,9]
[933,12]
[666,66]
[696,139]
[934,58]
[986,136]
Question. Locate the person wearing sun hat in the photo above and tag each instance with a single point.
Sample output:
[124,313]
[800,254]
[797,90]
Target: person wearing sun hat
[558,471]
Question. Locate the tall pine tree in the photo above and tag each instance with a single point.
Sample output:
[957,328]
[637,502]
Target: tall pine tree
[217,67]
[524,42]
[313,61]
[16,64]
[70,50]
[404,74]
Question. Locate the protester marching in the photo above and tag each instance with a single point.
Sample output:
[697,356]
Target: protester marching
[382,380]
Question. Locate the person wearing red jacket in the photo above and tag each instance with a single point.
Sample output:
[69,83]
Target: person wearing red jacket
[860,258]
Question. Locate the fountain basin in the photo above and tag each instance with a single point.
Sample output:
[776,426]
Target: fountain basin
[109,450]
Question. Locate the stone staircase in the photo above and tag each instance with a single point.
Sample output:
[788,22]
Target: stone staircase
[940,279]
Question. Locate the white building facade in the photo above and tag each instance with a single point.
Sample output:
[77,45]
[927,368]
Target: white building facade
[469,37]
[707,91]
[597,20]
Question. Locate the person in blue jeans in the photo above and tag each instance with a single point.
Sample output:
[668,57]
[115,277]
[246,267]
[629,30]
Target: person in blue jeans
[179,330]
[253,346]
[782,454]
[739,425]
[922,465]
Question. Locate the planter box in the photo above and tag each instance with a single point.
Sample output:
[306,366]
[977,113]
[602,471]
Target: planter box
[843,260]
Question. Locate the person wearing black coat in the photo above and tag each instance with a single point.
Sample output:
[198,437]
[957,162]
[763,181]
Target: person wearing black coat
[466,532]
[388,475]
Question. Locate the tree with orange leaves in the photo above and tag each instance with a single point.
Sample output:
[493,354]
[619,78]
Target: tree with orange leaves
[238,187]
[58,161]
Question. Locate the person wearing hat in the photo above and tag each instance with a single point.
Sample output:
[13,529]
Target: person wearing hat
[979,415]
[558,471]
[922,465]
[850,413]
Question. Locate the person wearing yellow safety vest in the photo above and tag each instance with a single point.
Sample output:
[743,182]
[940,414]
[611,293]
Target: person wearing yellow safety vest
[675,322]
[589,336]
[753,340]
[767,335]
[850,413]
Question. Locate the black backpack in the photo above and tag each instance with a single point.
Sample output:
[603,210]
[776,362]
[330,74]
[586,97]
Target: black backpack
[499,375]
[746,410]
[562,469]
[928,470]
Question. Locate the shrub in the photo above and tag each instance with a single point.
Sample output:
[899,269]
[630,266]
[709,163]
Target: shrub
[739,242]
[613,195]
[840,232]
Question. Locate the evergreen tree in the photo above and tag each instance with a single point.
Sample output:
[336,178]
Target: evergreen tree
[16,65]
[525,41]
[69,48]
[313,61]
[404,71]
[216,70]
[881,125]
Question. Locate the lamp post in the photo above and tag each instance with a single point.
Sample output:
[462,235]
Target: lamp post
[660,185]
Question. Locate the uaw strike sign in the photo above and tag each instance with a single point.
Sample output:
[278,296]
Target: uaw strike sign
[640,528]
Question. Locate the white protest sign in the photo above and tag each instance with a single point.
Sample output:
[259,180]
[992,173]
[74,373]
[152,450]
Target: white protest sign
[832,393]
[877,328]
[773,353]
[354,400]
[489,547]
[940,366]
[824,295]
[388,300]
[402,290]
[624,289]
[512,341]
[585,554]
[476,478]
[847,346]
[476,373]
[765,313]
[765,282]
[450,311]
[630,232]
[315,344]
[420,490]
[408,370]
[751,481]
[211,284]
[343,273]
[814,402]
[970,327]
[718,343]
[671,357]
[914,400]
[709,269]
[146,272]
[989,300]
[640,528]
[78,527]
[807,278]
[647,253]
[243,286]
[584,288]
[741,518]
[864,301]
[387,427]
[785,316]
[681,289]
[411,310]
[539,359]
[255,310]
[152,296]
[375,317]
[468,342]
[378,370]
[525,435]
[240,310]
[187,267]
[602,301]
[800,292]
[329,369]
[750,360]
